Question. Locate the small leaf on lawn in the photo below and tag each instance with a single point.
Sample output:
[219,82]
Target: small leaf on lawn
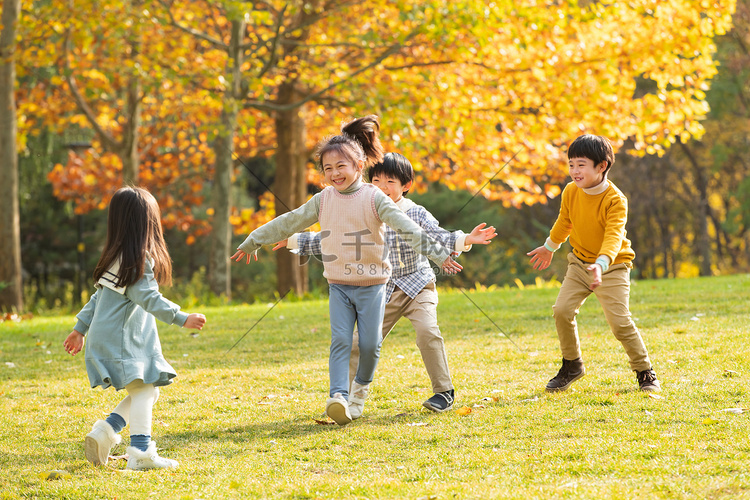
[324,422]
[51,475]
[731,373]
[649,413]
[10,364]
[655,396]
[710,421]
[463,411]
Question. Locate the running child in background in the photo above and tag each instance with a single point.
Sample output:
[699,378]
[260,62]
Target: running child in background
[352,215]
[410,292]
[593,213]
[122,348]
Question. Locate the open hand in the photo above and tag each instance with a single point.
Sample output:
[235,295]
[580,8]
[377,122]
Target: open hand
[281,244]
[540,257]
[239,255]
[481,235]
[450,266]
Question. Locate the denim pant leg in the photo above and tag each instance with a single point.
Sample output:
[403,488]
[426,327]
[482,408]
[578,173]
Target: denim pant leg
[370,305]
[343,316]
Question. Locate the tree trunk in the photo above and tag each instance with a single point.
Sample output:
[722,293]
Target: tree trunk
[130,154]
[11,291]
[703,239]
[290,186]
[219,277]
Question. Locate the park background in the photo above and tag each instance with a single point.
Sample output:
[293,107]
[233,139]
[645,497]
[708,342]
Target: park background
[216,107]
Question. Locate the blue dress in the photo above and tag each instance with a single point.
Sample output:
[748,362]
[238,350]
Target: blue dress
[122,343]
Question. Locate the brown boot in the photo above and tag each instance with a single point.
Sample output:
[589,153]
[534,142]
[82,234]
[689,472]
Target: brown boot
[569,373]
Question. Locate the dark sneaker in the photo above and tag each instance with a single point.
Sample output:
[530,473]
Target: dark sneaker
[440,402]
[647,381]
[569,373]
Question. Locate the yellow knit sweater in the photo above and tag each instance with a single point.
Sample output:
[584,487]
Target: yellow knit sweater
[595,224]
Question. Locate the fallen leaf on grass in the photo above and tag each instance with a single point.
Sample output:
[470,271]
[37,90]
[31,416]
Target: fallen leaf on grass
[649,413]
[478,406]
[710,421]
[10,364]
[463,411]
[731,373]
[655,396]
[324,422]
[51,475]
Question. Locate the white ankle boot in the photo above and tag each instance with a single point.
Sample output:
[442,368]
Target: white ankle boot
[99,442]
[357,396]
[149,459]
[338,409]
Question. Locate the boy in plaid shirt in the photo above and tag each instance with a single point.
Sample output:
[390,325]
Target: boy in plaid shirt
[410,292]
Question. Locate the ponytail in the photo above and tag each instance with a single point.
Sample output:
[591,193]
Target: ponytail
[366,131]
[359,140]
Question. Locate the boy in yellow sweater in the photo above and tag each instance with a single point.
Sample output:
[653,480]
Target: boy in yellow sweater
[593,214]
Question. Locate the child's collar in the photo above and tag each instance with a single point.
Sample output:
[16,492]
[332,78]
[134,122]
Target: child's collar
[598,189]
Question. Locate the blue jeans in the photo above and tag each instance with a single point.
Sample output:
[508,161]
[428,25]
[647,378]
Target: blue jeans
[363,305]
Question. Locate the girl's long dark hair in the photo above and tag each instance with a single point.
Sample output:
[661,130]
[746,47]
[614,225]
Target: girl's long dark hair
[359,140]
[133,231]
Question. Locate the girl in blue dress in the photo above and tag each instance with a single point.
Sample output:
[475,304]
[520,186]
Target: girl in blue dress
[122,348]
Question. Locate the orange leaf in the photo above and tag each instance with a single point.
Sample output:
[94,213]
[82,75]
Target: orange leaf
[463,411]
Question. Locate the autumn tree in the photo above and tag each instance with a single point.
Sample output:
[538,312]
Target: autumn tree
[11,291]
[700,215]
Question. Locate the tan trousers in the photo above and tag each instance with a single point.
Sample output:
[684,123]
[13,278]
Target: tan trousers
[422,312]
[613,295]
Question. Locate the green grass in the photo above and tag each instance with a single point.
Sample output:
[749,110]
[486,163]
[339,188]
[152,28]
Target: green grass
[243,424]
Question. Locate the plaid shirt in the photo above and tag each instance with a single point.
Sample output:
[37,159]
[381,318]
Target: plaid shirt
[411,271]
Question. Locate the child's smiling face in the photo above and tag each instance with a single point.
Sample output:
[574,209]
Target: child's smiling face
[584,173]
[391,186]
[339,170]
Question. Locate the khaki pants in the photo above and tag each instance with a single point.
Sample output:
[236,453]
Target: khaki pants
[422,312]
[613,295]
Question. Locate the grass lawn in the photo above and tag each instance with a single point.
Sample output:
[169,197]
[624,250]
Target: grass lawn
[245,424]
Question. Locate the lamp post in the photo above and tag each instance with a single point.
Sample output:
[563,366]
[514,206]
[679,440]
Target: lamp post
[78,148]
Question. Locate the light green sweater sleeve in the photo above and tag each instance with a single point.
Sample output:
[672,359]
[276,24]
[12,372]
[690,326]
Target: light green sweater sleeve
[409,230]
[283,226]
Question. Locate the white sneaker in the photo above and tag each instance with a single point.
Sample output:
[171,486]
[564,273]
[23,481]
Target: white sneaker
[357,397]
[338,409]
[99,442]
[149,459]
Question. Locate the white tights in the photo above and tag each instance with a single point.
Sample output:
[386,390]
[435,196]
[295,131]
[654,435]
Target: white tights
[137,406]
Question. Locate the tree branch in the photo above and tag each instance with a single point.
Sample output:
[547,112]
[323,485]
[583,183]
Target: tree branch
[266,106]
[191,31]
[110,143]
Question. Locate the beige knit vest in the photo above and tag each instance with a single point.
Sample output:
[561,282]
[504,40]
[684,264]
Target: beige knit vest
[352,238]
